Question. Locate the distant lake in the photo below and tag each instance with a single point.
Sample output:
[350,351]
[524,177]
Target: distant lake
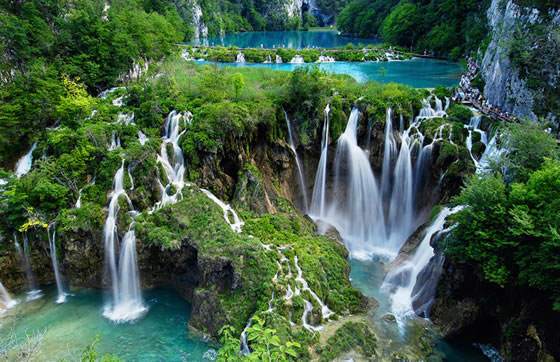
[417,72]
[286,39]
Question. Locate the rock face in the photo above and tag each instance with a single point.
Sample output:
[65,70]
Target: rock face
[507,85]
[520,323]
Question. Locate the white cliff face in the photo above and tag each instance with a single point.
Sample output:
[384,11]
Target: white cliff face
[505,86]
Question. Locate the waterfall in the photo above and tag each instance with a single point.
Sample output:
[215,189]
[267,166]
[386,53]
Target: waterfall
[268,60]
[357,210]
[6,301]
[325,59]
[403,279]
[24,164]
[115,142]
[174,167]
[401,210]
[236,225]
[142,138]
[318,201]
[240,58]
[301,178]
[125,118]
[32,291]
[52,244]
[278,59]
[372,220]
[78,203]
[389,152]
[298,59]
[127,301]
[245,350]
[127,304]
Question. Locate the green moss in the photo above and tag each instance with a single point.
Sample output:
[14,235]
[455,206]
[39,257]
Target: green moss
[352,336]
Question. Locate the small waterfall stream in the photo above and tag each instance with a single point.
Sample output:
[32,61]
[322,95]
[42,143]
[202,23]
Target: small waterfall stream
[318,201]
[174,167]
[301,178]
[6,301]
[51,231]
[32,291]
[23,166]
[236,225]
[402,281]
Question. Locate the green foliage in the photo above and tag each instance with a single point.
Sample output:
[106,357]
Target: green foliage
[355,336]
[90,354]
[510,233]
[446,27]
[528,147]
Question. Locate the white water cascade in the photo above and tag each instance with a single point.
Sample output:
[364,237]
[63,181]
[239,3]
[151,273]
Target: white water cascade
[236,224]
[32,291]
[240,58]
[126,304]
[474,126]
[301,178]
[356,209]
[374,220]
[298,59]
[318,201]
[6,301]
[142,138]
[61,297]
[402,280]
[174,166]
[278,59]
[24,164]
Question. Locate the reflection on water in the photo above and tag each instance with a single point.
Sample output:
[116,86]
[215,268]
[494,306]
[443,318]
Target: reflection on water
[286,39]
[69,328]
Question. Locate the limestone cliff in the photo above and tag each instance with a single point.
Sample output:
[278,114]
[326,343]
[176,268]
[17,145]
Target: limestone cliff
[520,67]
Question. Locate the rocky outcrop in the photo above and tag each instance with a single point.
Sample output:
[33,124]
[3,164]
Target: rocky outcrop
[520,322]
[509,84]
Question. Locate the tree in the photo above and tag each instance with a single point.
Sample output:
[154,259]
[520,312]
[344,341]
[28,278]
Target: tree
[400,27]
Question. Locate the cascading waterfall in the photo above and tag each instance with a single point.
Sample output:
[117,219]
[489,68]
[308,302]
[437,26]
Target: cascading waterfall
[240,58]
[318,201]
[126,304]
[357,208]
[389,152]
[174,167]
[115,142]
[32,291]
[301,178]
[6,301]
[298,59]
[402,280]
[372,220]
[61,298]
[24,164]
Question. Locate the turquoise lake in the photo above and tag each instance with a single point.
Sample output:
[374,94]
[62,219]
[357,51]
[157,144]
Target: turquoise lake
[286,39]
[161,335]
[417,72]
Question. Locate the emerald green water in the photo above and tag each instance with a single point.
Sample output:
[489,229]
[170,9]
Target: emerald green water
[161,335]
[368,277]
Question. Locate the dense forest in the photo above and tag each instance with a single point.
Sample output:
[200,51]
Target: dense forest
[91,89]
[444,27]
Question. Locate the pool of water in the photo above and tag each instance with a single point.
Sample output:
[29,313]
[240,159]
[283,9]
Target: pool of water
[286,39]
[161,335]
[368,277]
[417,72]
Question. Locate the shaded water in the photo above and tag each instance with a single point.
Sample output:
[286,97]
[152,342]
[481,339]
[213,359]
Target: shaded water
[162,335]
[286,39]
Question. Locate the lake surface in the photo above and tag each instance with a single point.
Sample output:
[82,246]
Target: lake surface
[417,72]
[286,39]
[161,335]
